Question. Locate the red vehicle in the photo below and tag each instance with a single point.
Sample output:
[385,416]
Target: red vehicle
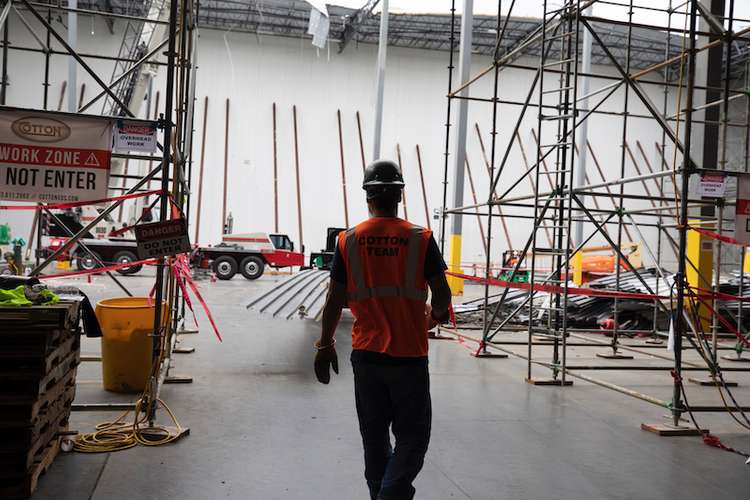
[249,254]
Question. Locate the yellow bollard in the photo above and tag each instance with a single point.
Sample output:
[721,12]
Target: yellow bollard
[456,284]
[578,268]
[700,266]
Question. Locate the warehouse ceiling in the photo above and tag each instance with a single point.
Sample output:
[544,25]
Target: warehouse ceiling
[290,18]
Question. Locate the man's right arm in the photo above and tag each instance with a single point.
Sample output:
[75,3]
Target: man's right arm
[441,297]
[435,274]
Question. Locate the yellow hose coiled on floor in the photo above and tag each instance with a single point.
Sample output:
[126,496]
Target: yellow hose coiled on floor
[121,435]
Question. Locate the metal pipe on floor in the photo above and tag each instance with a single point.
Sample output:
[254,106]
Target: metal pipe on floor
[424,189]
[403,191]
[343,168]
[275,172]
[296,169]
[503,223]
[199,204]
[63,89]
[223,226]
[531,178]
[479,217]
[361,143]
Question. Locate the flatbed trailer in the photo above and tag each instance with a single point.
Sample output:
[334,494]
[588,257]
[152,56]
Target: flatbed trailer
[248,254]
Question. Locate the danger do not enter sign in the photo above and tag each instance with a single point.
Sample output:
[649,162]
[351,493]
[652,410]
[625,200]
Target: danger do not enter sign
[53,157]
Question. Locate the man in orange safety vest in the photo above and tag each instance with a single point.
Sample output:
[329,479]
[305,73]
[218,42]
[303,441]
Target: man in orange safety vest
[382,269]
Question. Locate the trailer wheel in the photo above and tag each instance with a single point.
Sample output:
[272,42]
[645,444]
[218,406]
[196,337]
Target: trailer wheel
[225,267]
[252,267]
[125,257]
[85,262]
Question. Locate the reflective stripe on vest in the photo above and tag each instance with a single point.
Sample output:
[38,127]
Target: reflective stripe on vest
[363,292]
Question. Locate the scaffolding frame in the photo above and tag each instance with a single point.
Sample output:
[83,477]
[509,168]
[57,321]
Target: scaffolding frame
[557,209]
[173,162]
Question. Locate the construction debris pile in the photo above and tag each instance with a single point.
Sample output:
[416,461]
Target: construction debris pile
[583,311]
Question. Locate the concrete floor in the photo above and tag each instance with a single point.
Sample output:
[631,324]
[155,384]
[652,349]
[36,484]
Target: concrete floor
[263,428]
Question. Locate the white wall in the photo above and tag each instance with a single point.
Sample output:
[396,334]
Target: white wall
[254,72]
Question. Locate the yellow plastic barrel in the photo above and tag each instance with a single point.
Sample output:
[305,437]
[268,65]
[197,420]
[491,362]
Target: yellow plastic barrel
[126,323]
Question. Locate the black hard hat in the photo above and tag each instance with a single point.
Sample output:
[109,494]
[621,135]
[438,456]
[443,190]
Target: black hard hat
[381,176]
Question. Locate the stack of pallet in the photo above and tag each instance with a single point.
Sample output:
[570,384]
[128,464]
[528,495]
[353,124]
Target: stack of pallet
[39,353]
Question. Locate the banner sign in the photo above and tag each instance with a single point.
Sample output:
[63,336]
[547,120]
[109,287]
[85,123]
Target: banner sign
[162,238]
[713,185]
[53,157]
[742,212]
[135,136]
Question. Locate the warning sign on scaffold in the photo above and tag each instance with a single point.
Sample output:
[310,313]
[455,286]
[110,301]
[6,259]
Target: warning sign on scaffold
[53,157]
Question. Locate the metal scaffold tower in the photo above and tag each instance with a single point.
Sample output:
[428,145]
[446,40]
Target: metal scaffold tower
[650,201]
[157,33]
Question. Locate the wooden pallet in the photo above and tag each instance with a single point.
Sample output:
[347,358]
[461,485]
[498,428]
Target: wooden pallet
[22,339]
[14,386]
[14,410]
[15,465]
[63,316]
[21,435]
[38,362]
[25,487]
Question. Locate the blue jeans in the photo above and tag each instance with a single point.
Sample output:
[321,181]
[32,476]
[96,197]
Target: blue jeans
[395,396]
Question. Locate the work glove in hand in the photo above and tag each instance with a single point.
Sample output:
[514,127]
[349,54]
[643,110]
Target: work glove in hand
[324,359]
[431,322]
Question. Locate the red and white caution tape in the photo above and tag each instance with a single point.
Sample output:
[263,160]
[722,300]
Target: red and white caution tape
[99,270]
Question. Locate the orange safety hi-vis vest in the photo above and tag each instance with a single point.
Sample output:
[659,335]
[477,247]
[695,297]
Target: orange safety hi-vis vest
[386,287]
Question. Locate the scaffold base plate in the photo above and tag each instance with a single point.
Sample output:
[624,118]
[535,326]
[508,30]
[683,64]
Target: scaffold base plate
[183,350]
[736,359]
[613,356]
[187,332]
[437,336]
[710,382]
[157,434]
[669,430]
[548,381]
[496,355]
[178,379]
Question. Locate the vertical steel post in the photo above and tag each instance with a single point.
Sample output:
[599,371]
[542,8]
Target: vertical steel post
[4,82]
[583,130]
[72,64]
[459,150]
[451,50]
[486,325]
[165,174]
[380,81]
[45,96]
[620,207]
[687,170]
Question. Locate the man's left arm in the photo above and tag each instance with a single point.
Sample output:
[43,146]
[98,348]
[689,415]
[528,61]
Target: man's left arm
[326,356]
